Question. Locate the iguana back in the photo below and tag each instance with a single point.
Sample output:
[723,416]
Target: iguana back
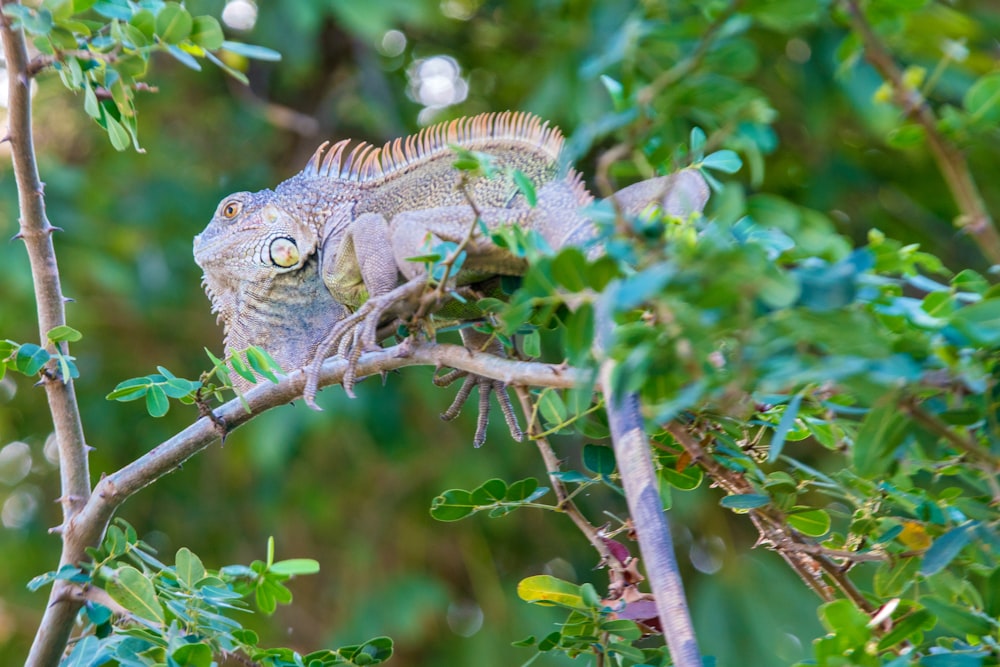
[417,172]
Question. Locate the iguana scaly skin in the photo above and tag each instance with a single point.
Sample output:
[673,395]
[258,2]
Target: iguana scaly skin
[284,267]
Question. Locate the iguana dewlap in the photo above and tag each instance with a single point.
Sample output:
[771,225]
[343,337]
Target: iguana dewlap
[282,267]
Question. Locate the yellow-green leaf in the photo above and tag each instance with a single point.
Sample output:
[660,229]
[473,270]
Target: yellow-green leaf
[544,589]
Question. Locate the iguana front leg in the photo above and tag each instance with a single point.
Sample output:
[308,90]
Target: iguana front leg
[362,259]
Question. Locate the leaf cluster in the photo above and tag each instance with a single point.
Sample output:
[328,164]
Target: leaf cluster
[154,614]
[102,48]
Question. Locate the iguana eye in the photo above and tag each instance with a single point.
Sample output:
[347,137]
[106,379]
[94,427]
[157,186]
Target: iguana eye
[284,252]
[231,209]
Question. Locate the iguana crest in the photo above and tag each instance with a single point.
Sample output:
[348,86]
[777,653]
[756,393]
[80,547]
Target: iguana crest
[369,164]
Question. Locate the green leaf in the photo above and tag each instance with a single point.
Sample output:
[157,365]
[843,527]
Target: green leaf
[130,390]
[262,362]
[63,333]
[173,23]
[784,426]
[84,654]
[946,548]
[295,566]
[242,370]
[952,660]
[980,322]
[30,359]
[133,590]
[526,187]
[881,433]
[207,33]
[144,21]
[192,655]
[745,501]
[811,522]
[251,51]
[579,333]
[697,140]
[452,505]
[894,578]
[179,387]
[569,269]
[117,133]
[599,459]
[524,490]
[906,628]
[157,403]
[726,161]
[189,567]
[842,618]
[546,590]
[982,100]
[552,407]
[958,619]
[489,492]
[531,344]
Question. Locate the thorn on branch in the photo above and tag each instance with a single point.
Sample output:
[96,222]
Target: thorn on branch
[15,237]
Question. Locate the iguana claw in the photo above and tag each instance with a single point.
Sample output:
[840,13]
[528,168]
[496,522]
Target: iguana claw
[486,387]
[354,335]
[475,340]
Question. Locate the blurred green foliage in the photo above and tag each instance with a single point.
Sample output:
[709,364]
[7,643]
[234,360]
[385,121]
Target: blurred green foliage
[826,160]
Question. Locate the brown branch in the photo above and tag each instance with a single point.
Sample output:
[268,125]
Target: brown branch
[87,526]
[772,526]
[973,218]
[36,232]
[635,466]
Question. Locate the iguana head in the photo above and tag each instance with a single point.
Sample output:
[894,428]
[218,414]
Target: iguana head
[261,273]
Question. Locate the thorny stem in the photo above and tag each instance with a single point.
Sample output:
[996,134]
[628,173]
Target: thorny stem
[809,561]
[974,217]
[36,232]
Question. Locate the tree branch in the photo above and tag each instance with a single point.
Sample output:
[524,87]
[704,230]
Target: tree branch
[973,218]
[87,527]
[635,465]
[36,232]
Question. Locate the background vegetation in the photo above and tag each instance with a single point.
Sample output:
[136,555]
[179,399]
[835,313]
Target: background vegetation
[782,83]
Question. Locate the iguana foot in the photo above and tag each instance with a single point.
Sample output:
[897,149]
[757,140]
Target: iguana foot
[356,334]
[486,387]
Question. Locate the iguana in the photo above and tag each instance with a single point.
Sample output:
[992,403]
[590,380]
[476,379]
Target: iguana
[287,267]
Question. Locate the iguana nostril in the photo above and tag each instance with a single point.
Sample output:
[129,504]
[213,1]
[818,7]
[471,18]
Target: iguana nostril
[284,252]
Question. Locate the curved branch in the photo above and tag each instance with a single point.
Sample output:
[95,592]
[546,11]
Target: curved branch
[87,527]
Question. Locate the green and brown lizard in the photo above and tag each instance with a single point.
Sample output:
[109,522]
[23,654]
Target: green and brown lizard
[313,266]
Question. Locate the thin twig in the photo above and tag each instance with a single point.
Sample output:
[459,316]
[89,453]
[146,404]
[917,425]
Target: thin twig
[683,67]
[563,500]
[967,445]
[973,218]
